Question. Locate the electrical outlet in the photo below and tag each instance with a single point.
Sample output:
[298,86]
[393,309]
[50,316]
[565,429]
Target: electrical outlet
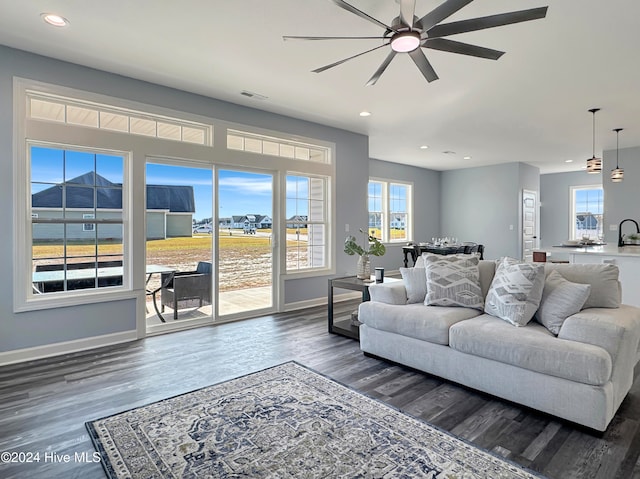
[510,227]
[346,228]
[613,227]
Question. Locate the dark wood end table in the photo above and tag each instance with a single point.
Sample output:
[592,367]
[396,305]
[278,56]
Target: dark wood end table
[344,327]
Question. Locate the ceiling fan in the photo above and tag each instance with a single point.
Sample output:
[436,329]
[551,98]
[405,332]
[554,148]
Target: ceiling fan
[410,34]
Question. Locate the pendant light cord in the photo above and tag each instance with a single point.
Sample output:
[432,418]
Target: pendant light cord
[617,130]
[593,149]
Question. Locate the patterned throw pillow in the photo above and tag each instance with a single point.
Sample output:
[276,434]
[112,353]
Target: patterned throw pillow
[515,292]
[415,282]
[453,280]
[560,299]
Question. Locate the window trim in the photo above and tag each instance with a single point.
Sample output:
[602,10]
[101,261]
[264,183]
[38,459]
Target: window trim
[24,297]
[386,209]
[328,249]
[572,206]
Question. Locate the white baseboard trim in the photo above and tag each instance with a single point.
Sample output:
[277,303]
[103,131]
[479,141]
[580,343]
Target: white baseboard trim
[310,303]
[56,349]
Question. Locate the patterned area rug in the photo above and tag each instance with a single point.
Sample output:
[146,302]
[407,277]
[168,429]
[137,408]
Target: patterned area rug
[284,422]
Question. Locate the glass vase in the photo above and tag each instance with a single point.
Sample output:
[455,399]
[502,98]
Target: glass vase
[364,267]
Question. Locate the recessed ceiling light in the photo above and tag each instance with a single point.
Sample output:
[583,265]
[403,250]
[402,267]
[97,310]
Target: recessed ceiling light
[466,157]
[55,20]
[568,161]
[424,147]
[365,113]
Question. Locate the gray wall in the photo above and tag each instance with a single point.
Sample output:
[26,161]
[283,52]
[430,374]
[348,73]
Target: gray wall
[555,204]
[480,204]
[426,206]
[621,200]
[51,326]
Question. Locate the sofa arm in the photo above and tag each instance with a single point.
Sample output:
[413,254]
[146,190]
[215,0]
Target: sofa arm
[389,293]
[616,330]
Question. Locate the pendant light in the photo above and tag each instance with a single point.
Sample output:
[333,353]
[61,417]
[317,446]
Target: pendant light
[594,165]
[617,174]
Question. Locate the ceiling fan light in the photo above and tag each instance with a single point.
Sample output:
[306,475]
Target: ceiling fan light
[617,175]
[404,42]
[594,165]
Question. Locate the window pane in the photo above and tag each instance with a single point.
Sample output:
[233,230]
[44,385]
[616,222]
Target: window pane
[47,110]
[113,121]
[79,167]
[109,198]
[109,169]
[47,165]
[168,131]
[306,218]
[588,208]
[77,115]
[79,197]
[66,232]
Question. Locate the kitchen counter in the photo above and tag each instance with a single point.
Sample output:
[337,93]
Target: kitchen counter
[606,250]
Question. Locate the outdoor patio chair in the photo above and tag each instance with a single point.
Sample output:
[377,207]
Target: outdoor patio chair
[186,287]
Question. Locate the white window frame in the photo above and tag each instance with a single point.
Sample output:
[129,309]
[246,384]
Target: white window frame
[25,297]
[572,207]
[386,209]
[325,223]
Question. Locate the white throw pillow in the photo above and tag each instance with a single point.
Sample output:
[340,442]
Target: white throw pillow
[560,299]
[415,282]
[515,291]
[453,280]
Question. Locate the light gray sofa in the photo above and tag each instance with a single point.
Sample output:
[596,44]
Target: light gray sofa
[581,375]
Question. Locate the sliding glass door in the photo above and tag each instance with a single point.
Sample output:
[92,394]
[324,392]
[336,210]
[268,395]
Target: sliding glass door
[179,245]
[245,242]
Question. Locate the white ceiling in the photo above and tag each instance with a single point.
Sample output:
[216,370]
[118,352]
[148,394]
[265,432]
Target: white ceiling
[530,106]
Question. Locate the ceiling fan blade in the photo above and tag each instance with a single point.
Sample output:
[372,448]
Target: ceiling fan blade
[350,8]
[372,81]
[423,64]
[453,46]
[326,67]
[407,11]
[445,10]
[292,37]
[491,21]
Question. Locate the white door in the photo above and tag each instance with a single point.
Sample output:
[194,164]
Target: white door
[529,223]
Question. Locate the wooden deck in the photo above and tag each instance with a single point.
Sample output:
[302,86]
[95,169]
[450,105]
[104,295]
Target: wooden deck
[44,404]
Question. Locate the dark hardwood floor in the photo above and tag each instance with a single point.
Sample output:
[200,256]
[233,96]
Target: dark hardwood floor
[44,404]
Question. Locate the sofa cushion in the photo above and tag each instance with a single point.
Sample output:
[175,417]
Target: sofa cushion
[415,282]
[603,278]
[390,293]
[453,280]
[515,291]
[560,299]
[531,347]
[427,323]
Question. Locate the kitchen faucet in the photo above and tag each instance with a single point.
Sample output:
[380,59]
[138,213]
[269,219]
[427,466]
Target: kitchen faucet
[620,240]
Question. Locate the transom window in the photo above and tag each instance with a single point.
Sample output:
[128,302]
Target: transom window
[389,205]
[268,145]
[105,117]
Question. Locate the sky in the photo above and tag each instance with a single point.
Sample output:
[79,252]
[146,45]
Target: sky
[240,193]
[589,201]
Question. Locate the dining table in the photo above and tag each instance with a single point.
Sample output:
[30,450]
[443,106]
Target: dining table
[416,250]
